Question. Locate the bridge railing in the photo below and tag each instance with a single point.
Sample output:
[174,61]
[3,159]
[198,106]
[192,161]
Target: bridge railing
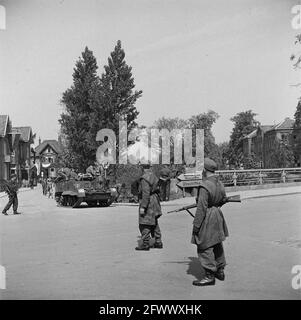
[259,176]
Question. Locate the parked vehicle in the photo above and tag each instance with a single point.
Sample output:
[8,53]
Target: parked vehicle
[93,191]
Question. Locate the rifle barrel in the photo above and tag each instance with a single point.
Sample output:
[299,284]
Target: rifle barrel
[235,198]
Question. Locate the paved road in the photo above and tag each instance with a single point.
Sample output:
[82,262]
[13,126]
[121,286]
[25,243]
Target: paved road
[88,253]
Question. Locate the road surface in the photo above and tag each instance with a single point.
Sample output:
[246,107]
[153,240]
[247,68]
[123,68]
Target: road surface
[51,252]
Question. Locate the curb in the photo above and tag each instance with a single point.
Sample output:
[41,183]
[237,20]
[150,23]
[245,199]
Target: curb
[271,195]
[167,204]
[120,204]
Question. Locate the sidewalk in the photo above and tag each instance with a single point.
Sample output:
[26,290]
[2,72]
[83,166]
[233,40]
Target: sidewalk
[247,194]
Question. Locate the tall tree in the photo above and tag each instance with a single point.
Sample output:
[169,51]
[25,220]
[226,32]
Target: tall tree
[223,150]
[170,123]
[297,134]
[118,99]
[244,123]
[82,110]
[117,92]
[296,59]
[205,121]
[282,155]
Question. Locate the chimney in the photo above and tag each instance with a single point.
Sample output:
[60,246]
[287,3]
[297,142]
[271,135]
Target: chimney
[39,140]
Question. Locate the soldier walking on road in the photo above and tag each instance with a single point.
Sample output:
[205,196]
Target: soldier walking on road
[209,226]
[11,188]
[149,210]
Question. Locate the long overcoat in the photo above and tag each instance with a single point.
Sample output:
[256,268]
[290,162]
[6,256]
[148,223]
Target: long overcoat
[149,199]
[209,218]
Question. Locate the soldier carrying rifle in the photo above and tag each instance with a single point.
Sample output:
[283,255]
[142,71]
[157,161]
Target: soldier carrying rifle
[209,225]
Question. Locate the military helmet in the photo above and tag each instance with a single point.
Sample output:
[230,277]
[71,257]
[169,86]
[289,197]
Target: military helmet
[210,165]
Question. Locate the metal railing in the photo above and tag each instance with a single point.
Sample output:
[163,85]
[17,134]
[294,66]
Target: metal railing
[259,176]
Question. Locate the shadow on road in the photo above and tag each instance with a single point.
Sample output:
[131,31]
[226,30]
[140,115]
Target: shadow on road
[194,267]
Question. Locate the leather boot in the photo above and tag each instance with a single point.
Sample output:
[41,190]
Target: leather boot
[208,280]
[142,248]
[219,274]
[158,245]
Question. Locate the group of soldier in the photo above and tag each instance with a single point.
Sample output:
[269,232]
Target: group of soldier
[209,226]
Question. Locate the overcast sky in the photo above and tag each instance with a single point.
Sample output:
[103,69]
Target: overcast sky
[187,56]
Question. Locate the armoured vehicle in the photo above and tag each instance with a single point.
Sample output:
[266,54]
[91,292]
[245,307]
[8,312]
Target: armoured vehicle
[93,191]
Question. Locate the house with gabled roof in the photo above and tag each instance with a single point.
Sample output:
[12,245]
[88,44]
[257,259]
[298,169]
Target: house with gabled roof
[15,147]
[21,163]
[261,142]
[253,144]
[5,146]
[279,132]
[47,153]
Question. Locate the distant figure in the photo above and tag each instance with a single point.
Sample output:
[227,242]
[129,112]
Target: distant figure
[44,186]
[165,175]
[50,188]
[31,180]
[11,188]
[149,209]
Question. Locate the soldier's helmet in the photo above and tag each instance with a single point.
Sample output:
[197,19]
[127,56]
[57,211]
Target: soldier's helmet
[210,165]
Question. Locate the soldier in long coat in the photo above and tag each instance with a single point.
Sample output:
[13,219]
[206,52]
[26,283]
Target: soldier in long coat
[11,188]
[209,226]
[149,210]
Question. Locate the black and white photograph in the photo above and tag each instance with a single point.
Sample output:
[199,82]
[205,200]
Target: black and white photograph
[150,150]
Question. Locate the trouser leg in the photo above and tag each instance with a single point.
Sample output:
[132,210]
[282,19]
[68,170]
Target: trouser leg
[207,259]
[156,233]
[10,202]
[15,203]
[145,231]
[219,254]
